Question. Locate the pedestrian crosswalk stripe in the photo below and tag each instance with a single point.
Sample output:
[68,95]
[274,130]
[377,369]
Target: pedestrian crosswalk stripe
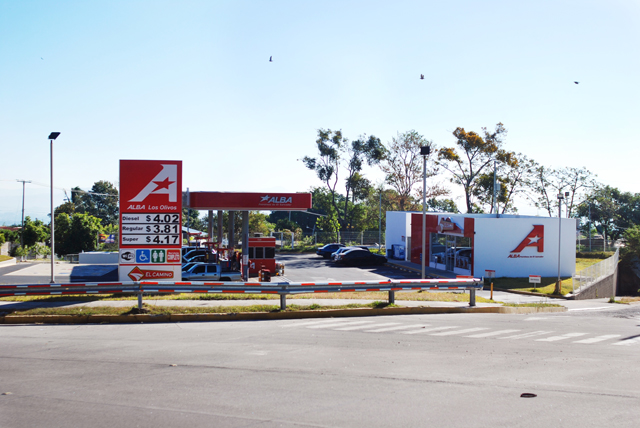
[341,324]
[427,330]
[527,335]
[597,338]
[467,330]
[314,322]
[400,327]
[492,333]
[628,342]
[561,337]
[358,327]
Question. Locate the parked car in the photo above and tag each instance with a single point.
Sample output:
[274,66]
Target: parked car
[343,249]
[209,272]
[328,249]
[360,257]
[460,251]
[192,259]
[187,266]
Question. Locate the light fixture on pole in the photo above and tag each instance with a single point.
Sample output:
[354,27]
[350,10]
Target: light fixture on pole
[52,137]
[558,289]
[424,151]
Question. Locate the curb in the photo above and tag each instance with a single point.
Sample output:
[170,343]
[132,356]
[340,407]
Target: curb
[529,293]
[6,263]
[252,316]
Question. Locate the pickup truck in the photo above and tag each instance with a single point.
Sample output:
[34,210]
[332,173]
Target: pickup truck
[209,272]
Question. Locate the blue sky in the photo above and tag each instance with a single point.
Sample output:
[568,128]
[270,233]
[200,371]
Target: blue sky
[191,80]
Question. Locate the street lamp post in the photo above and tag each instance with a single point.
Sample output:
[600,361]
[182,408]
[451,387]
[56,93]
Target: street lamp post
[52,137]
[424,151]
[558,289]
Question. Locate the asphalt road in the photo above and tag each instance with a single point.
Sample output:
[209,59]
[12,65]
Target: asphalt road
[311,267]
[402,371]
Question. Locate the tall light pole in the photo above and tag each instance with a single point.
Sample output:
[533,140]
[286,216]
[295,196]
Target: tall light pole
[52,137]
[22,228]
[380,221]
[558,289]
[424,151]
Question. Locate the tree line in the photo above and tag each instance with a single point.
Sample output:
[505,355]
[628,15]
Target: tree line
[474,162]
[347,200]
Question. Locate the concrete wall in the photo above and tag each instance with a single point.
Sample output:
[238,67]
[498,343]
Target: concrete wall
[98,258]
[599,290]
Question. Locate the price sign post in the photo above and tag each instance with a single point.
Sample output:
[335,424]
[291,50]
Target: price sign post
[150,220]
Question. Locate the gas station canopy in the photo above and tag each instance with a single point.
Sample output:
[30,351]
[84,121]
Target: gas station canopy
[241,201]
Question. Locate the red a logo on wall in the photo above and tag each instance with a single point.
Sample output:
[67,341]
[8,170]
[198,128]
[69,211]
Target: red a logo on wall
[535,238]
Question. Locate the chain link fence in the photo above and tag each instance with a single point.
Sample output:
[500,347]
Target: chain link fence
[595,273]
[369,238]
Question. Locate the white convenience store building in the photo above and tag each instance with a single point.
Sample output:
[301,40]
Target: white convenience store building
[470,244]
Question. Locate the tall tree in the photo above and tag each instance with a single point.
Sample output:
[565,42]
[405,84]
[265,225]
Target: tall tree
[101,201]
[403,167]
[513,178]
[76,233]
[471,155]
[34,231]
[547,183]
[335,153]
[602,206]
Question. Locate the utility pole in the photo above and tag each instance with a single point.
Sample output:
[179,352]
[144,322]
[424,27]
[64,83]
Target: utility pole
[22,228]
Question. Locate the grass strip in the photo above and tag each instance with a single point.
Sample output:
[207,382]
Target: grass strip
[5,258]
[170,310]
[547,284]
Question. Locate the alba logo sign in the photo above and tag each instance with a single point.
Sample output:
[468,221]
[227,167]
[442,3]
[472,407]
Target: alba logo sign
[150,186]
[165,183]
[535,238]
[266,199]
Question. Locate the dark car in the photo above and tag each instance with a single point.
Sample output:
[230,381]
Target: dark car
[360,257]
[328,249]
[340,250]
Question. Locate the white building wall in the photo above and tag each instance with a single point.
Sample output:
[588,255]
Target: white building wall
[496,238]
[398,229]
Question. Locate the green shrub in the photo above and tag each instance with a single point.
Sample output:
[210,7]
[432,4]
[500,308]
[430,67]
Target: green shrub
[594,255]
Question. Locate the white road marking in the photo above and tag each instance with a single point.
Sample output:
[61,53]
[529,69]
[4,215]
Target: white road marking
[526,335]
[561,337]
[597,338]
[340,324]
[364,326]
[628,342]
[401,327]
[599,308]
[451,333]
[427,330]
[303,324]
[492,333]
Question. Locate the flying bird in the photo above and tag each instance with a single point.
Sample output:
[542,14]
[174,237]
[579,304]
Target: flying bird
[422,77]
[42,58]
[576,82]
[270,59]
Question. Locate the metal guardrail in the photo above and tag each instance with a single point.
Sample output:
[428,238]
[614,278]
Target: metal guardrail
[282,288]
